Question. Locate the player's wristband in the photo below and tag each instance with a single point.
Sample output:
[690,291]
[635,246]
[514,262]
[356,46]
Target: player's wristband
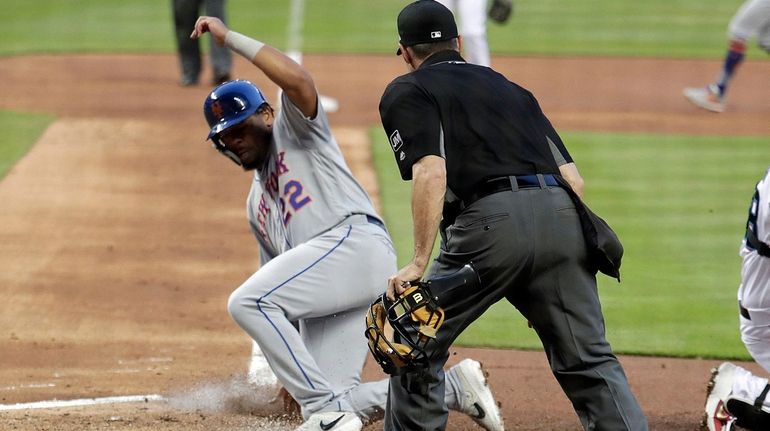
[243,45]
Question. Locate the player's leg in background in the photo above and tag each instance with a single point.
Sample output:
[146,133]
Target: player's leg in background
[763,36]
[473,29]
[749,21]
[220,56]
[185,14]
[745,23]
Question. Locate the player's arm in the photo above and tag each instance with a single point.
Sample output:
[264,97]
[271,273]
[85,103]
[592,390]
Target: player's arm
[428,189]
[294,79]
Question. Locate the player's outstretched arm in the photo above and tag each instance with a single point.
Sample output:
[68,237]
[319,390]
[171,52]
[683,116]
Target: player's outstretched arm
[295,81]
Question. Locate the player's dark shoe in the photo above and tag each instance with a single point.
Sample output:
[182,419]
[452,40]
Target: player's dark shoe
[188,82]
[332,421]
[476,399]
[716,417]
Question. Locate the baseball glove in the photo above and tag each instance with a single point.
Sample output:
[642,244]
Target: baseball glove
[500,11]
[414,317]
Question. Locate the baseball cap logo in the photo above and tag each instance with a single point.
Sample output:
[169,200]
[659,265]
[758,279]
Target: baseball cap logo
[217,110]
[435,34]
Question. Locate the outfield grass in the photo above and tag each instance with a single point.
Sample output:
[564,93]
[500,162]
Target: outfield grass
[658,28]
[20,131]
[679,205]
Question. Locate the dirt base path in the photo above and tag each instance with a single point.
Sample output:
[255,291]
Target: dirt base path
[123,235]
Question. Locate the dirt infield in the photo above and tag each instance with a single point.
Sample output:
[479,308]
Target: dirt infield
[123,234]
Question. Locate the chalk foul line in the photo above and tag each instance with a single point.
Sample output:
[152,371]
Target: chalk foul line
[81,402]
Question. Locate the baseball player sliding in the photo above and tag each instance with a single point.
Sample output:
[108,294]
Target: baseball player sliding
[325,252]
[737,397]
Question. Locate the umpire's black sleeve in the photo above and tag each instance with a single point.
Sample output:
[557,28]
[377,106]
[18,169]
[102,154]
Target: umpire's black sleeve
[412,123]
[550,132]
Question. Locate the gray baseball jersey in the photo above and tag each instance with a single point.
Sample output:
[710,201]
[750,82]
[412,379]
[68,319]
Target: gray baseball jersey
[305,187]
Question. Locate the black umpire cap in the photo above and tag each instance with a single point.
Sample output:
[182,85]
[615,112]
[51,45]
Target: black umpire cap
[425,21]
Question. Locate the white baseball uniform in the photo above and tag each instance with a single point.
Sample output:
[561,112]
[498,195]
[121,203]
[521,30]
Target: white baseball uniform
[754,291]
[754,299]
[473,28]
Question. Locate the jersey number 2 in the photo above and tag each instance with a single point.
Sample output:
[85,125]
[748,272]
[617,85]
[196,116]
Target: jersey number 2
[293,192]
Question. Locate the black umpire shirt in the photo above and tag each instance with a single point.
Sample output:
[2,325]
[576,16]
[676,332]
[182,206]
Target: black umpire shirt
[483,125]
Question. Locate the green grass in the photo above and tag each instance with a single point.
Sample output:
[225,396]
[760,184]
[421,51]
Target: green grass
[679,205]
[20,131]
[658,28]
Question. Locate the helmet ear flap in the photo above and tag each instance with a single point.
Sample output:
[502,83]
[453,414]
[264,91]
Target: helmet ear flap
[217,144]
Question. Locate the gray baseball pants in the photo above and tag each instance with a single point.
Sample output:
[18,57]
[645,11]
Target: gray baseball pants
[327,285]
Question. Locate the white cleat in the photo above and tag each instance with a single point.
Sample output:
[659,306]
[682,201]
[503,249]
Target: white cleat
[476,399]
[707,98]
[332,421]
[716,417]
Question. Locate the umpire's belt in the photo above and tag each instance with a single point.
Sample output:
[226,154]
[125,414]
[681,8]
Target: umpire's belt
[514,182]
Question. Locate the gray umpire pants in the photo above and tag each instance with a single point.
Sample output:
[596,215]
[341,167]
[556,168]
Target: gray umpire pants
[186,12]
[528,247]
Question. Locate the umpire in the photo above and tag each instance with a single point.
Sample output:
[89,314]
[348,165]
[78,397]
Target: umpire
[486,167]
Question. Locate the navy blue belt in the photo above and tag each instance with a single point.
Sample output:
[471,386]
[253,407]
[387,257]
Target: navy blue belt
[502,184]
[375,221]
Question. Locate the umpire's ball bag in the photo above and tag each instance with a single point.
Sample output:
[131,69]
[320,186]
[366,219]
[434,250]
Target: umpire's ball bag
[604,248]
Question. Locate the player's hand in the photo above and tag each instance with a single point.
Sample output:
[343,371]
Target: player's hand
[215,26]
[401,280]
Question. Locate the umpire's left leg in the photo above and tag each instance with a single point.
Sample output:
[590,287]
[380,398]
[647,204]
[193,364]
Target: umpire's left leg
[562,303]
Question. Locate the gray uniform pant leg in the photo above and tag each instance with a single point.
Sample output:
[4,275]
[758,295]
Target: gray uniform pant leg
[185,14]
[326,284]
[528,247]
[220,57]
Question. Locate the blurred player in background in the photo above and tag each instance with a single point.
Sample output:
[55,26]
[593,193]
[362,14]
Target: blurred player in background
[325,252]
[473,28]
[752,19]
[736,396]
[185,14]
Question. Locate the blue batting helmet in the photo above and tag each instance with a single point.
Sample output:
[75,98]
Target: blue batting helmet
[230,104]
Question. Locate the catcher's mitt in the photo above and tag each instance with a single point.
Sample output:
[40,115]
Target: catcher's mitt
[500,11]
[414,307]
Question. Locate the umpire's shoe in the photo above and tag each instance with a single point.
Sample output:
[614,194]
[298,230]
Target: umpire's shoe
[716,416]
[332,421]
[476,399]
